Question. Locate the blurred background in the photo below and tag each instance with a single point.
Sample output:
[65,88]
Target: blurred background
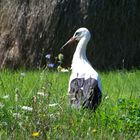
[30,29]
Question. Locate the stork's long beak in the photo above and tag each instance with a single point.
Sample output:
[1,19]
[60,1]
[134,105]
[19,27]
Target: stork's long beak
[71,40]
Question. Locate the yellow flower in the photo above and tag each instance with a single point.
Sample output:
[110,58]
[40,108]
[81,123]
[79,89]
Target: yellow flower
[35,134]
[60,56]
[94,130]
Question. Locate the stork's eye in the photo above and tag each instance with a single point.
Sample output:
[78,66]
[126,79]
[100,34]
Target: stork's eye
[77,33]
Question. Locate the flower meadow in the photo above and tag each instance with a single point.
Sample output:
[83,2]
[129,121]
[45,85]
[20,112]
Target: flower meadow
[34,105]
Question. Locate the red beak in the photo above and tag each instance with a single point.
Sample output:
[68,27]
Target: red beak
[70,41]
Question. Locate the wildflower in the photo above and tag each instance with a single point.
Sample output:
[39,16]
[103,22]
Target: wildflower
[107,97]
[55,104]
[5,97]
[51,115]
[27,108]
[94,130]
[64,70]
[41,93]
[23,74]
[51,65]
[59,68]
[35,134]
[48,56]
[60,57]
[17,115]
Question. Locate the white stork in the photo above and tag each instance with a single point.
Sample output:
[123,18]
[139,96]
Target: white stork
[84,84]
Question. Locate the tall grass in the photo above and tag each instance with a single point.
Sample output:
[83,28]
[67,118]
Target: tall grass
[34,104]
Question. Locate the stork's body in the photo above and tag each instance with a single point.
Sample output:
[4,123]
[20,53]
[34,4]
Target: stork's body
[84,84]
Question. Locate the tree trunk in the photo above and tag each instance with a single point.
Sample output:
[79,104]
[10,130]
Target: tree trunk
[30,29]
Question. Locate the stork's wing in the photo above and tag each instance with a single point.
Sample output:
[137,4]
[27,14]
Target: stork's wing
[85,93]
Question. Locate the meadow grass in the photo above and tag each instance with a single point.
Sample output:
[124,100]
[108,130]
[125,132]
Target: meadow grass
[34,105]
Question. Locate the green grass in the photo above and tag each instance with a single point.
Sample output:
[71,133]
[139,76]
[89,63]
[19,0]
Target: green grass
[118,116]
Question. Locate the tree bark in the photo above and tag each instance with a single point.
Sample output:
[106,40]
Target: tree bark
[30,29]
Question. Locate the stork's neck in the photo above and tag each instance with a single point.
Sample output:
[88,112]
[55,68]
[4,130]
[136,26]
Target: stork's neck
[80,53]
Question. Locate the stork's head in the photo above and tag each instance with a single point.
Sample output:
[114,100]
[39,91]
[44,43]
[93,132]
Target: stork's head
[78,35]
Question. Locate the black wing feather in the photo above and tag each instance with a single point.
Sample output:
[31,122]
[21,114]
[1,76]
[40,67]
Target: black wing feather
[85,93]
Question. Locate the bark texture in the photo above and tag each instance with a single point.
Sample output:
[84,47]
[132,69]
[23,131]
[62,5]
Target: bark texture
[30,29]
